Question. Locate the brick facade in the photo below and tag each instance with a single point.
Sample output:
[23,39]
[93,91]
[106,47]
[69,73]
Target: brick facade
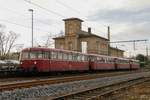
[74,36]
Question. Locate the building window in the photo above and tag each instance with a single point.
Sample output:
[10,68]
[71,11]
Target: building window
[84,47]
[61,46]
[70,29]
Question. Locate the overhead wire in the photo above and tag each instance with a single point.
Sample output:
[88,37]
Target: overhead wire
[54,11]
[30,2]
[7,21]
[67,6]
[23,15]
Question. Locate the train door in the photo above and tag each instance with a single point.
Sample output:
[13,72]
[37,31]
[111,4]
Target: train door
[53,61]
[131,63]
[66,61]
[46,62]
[70,62]
[116,63]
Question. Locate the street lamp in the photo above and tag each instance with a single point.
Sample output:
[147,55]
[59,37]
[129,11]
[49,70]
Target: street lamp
[109,51]
[31,10]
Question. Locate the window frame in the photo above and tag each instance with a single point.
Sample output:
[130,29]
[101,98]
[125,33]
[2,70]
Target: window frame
[60,55]
[52,53]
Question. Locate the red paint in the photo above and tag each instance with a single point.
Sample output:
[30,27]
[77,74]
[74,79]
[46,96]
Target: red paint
[52,65]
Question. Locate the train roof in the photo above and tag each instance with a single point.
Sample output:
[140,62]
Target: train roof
[51,49]
[99,55]
[134,60]
[68,51]
[107,56]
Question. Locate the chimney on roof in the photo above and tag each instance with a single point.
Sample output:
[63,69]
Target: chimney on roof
[89,30]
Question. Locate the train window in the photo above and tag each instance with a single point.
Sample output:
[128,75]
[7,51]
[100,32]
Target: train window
[60,55]
[25,55]
[108,60]
[75,56]
[70,56]
[78,57]
[65,56]
[88,58]
[105,60]
[120,61]
[93,58]
[54,55]
[123,61]
[97,58]
[85,58]
[33,54]
[82,57]
[101,60]
[40,54]
[111,60]
[46,55]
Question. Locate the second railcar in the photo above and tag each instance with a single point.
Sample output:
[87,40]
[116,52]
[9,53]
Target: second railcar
[100,62]
[134,64]
[123,64]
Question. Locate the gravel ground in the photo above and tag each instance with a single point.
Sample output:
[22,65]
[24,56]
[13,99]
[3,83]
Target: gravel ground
[50,91]
[137,92]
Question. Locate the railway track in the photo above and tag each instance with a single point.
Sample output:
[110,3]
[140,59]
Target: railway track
[72,89]
[103,93]
[10,85]
[43,76]
[13,79]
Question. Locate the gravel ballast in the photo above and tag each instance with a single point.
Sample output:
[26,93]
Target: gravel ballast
[51,91]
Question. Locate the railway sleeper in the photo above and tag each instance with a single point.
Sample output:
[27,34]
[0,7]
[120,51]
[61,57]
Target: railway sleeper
[106,92]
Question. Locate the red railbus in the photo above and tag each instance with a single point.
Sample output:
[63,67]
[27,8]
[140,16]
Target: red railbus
[122,63]
[134,64]
[57,60]
[100,62]
[47,60]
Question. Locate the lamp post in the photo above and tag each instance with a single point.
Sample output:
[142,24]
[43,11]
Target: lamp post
[109,51]
[31,10]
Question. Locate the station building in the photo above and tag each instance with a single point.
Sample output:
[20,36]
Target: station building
[84,41]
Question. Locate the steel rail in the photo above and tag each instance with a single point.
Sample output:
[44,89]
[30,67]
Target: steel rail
[49,81]
[98,93]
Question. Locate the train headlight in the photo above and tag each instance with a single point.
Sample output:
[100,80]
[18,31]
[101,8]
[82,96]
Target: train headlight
[34,62]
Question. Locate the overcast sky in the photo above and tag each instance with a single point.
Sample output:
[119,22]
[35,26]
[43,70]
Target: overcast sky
[128,19]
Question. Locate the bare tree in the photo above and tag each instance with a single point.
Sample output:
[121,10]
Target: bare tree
[7,42]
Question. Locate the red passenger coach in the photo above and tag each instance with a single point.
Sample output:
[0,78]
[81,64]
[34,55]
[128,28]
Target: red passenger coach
[50,60]
[57,60]
[123,63]
[135,64]
[35,59]
[99,62]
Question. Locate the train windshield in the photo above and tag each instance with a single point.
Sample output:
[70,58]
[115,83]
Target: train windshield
[33,55]
[25,55]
